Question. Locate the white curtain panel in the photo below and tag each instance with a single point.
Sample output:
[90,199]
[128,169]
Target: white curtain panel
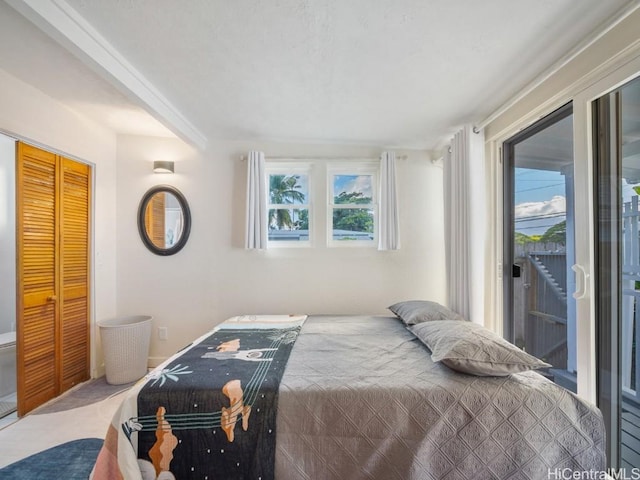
[457,223]
[256,235]
[389,235]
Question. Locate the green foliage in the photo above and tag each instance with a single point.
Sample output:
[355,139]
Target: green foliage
[303,220]
[556,234]
[284,189]
[355,198]
[521,238]
[352,219]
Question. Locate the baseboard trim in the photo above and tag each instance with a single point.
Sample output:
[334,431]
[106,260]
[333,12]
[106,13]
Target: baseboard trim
[153,362]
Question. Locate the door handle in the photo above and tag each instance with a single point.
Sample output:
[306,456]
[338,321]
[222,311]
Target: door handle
[582,277]
[516,271]
[51,298]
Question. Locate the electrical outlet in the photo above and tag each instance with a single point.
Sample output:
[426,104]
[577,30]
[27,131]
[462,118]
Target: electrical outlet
[163,333]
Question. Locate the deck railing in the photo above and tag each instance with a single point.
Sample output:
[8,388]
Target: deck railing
[630,295]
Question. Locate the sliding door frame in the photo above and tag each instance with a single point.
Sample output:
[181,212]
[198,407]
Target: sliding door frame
[582,93]
[508,195]
[608,266]
[590,335]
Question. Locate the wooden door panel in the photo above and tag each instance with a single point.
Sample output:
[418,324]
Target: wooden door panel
[74,263]
[37,277]
[38,377]
[75,338]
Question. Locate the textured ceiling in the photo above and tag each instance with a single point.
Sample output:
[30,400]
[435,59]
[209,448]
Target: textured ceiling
[388,73]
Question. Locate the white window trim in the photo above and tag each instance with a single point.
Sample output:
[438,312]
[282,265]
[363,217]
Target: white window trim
[291,168]
[353,168]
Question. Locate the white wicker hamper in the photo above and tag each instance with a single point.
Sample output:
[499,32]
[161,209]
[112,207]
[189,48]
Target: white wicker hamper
[125,344]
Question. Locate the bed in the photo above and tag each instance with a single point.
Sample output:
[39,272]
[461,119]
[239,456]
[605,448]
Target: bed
[357,397]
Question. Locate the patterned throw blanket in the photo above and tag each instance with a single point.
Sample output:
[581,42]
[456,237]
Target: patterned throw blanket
[211,411]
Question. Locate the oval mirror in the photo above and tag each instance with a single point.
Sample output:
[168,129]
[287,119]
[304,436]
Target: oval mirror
[164,220]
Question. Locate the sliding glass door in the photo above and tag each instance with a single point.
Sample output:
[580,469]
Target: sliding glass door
[540,313]
[616,134]
[571,250]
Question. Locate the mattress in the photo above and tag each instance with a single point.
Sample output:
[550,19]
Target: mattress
[360,398]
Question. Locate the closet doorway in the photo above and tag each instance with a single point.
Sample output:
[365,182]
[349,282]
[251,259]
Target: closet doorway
[8,380]
[52,250]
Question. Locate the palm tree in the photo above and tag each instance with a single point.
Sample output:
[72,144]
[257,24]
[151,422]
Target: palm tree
[284,189]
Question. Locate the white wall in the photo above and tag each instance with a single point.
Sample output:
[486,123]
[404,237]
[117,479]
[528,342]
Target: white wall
[214,277]
[30,115]
[615,48]
[7,234]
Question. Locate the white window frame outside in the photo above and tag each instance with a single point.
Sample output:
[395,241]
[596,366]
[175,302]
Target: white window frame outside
[290,168]
[353,168]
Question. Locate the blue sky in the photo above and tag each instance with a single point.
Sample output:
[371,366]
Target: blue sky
[352,183]
[540,200]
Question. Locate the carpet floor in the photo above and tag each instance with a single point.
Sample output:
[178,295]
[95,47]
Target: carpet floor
[84,412]
[6,408]
[70,461]
[87,393]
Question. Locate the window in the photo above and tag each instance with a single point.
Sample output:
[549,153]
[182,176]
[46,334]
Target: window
[352,205]
[349,204]
[539,243]
[288,206]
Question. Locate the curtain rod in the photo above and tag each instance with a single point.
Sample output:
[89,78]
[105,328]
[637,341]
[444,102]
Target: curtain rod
[577,50]
[302,157]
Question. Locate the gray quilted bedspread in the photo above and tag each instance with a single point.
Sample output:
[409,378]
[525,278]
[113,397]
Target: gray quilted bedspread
[361,399]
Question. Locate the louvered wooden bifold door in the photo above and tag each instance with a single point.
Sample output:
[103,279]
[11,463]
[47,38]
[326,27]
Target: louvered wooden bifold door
[53,205]
[74,275]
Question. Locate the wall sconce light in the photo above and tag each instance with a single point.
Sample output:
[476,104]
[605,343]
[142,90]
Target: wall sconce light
[162,166]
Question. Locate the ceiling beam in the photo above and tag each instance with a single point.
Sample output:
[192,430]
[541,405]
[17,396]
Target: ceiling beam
[66,26]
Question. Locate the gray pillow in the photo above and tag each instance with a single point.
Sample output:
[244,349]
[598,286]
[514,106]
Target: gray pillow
[470,348]
[413,312]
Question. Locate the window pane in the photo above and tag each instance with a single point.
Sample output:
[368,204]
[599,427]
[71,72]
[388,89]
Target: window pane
[288,189]
[289,224]
[540,308]
[617,269]
[353,224]
[353,189]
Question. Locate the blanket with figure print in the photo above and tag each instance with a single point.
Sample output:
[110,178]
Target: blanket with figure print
[209,412]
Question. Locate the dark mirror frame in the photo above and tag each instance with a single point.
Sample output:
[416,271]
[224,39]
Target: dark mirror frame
[185,212]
